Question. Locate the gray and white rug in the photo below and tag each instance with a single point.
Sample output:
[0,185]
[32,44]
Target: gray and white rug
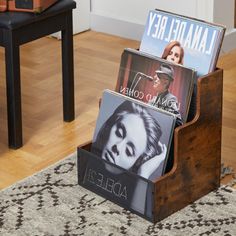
[51,203]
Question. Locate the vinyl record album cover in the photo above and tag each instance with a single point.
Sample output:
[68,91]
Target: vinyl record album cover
[133,135]
[161,83]
[191,42]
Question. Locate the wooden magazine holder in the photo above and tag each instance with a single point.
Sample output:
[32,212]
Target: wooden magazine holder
[197,153]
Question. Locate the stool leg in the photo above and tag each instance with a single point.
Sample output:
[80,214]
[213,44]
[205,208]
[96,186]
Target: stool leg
[68,70]
[12,58]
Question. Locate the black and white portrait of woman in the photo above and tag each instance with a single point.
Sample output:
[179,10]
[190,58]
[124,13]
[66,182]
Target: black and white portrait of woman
[135,137]
[130,137]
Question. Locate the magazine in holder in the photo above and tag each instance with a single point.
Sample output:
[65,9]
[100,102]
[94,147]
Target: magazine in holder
[197,157]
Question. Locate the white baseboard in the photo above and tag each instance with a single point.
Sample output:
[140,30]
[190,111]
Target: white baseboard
[135,31]
[116,27]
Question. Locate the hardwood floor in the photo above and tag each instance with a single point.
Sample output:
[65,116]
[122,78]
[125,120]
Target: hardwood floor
[47,138]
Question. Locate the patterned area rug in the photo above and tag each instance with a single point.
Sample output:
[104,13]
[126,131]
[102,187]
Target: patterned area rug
[51,203]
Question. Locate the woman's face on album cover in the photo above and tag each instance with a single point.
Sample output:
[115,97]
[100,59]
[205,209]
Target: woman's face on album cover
[174,54]
[126,142]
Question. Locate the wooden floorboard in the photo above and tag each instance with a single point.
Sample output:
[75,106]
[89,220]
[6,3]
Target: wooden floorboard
[47,138]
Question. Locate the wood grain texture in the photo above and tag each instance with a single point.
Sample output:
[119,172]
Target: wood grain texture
[228,63]
[197,152]
[47,138]
[35,6]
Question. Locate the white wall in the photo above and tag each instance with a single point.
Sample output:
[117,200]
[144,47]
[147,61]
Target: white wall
[224,13]
[81,18]
[136,11]
[126,18]
[204,10]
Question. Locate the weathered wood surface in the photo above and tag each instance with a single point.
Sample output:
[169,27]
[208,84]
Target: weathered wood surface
[197,152]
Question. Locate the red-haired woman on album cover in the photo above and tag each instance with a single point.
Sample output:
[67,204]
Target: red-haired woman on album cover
[174,52]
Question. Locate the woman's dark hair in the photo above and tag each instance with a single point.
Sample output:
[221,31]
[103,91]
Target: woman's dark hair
[168,49]
[152,128]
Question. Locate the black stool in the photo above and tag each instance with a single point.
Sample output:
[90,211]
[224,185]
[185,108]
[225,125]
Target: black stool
[17,28]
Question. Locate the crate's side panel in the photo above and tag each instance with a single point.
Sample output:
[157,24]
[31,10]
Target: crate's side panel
[197,153]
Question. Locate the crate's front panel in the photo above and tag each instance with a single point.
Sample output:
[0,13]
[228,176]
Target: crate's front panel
[118,185]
